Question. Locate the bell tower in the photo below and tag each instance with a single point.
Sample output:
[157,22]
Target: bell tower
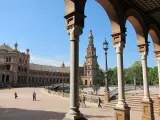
[90,62]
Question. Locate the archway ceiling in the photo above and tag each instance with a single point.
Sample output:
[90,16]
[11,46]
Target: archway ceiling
[149,9]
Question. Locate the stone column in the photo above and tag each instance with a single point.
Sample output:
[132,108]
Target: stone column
[158,64]
[74,112]
[147,103]
[157,54]
[146,96]
[122,109]
[121,97]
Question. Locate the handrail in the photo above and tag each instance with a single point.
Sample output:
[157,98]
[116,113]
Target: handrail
[126,88]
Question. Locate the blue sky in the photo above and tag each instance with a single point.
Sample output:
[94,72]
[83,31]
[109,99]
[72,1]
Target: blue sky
[40,26]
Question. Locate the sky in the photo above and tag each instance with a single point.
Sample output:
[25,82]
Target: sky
[40,26]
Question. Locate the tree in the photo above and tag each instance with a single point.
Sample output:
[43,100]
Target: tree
[153,75]
[81,87]
[96,87]
[136,72]
[112,76]
[128,77]
[100,76]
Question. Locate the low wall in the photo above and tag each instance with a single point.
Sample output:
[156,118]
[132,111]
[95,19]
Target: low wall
[56,93]
[89,98]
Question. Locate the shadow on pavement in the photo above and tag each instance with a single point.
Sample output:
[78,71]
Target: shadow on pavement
[23,114]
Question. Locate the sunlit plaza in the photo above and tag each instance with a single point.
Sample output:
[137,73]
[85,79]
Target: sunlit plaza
[48,107]
[80,60]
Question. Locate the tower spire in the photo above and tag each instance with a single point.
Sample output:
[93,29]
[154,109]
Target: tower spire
[90,37]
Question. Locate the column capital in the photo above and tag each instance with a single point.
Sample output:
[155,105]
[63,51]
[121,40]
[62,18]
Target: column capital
[143,50]
[157,55]
[143,47]
[143,55]
[119,37]
[75,32]
[119,47]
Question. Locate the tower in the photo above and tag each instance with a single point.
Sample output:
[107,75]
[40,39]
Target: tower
[90,65]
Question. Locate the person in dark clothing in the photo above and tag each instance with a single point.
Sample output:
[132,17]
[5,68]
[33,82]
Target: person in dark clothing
[99,102]
[80,101]
[34,96]
[83,100]
[15,95]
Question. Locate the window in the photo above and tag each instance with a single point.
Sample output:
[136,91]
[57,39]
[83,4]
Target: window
[25,69]
[9,59]
[85,82]
[8,67]
[6,59]
[20,60]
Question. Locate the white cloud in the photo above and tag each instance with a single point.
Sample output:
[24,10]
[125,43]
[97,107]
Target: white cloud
[57,61]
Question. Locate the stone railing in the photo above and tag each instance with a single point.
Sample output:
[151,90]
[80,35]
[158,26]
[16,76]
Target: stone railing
[89,98]
[56,93]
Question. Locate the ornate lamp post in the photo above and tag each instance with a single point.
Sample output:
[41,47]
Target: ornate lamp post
[106,91]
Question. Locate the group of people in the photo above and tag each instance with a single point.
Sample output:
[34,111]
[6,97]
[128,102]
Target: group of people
[34,95]
[83,99]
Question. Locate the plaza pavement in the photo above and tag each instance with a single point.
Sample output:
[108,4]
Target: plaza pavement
[47,107]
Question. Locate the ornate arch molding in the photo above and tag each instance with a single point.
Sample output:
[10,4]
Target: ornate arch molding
[75,13]
[139,25]
[113,16]
[154,32]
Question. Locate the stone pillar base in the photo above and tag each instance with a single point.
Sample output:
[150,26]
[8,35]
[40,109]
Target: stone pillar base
[122,113]
[159,106]
[74,114]
[106,96]
[147,110]
[74,117]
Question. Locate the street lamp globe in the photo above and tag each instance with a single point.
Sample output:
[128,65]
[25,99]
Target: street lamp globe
[105,45]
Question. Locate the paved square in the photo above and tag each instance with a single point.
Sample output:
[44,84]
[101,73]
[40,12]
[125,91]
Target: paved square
[46,107]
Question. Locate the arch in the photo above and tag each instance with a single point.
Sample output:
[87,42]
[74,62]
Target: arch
[79,7]
[61,80]
[154,32]
[25,69]
[43,81]
[112,14]
[7,78]
[67,80]
[8,67]
[33,80]
[85,82]
[3,77]
[139,25]
[18,79]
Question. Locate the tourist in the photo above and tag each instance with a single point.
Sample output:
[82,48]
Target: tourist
[83,100]
[99,102]
[80,101]
[15,94]
[34,96]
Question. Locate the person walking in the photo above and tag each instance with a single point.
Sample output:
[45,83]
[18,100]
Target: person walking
[34,96]
[83,100]
[15,95]
[99,102]
[80,101]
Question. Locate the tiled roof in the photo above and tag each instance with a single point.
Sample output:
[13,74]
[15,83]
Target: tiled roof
[48,68]
[6,47]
